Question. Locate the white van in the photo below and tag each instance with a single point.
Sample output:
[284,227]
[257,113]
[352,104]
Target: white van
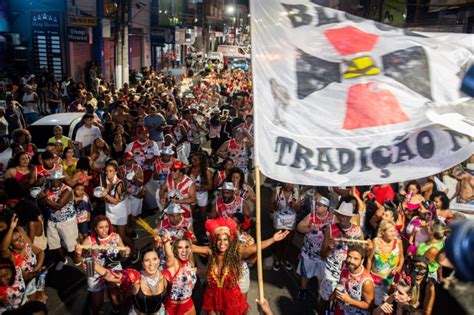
[215,55]
[230,51]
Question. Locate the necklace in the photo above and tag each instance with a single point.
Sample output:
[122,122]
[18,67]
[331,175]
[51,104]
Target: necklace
[152,282]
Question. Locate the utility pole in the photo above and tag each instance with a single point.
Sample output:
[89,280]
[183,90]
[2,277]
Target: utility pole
[121,44]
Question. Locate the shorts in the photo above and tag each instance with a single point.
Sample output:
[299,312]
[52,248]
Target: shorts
[83,227]
[96,284]
[310,268]
[66,232]
[327,287]
[135,206]
[202,198]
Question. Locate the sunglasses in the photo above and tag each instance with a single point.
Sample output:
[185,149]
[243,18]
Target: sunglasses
[175,169]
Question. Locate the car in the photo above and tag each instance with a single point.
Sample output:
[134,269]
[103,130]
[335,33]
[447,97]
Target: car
[240,63]
[42,129]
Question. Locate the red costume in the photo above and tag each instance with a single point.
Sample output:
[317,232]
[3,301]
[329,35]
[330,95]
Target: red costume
[223,292]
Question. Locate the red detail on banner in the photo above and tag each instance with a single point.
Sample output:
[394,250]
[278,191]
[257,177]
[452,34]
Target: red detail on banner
[351,40]
[372,105]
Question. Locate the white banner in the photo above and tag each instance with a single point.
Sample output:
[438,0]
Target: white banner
[340,100]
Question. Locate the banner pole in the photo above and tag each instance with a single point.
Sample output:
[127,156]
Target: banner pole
[259,234]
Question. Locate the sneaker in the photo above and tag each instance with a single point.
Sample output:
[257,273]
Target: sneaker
[302,294]
[287,265]
[135,257]
[60,264]
[276,265]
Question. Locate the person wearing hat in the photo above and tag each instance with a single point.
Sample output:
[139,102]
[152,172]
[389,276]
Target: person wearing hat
[58,200]
[229,203]
[175,224]
[145,151]
[310,264]
[336,255]
[132,175]
[178,188]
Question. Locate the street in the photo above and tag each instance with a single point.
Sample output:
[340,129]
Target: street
[67,289]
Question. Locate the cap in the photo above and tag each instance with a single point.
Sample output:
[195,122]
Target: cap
[178,165]
[128,155]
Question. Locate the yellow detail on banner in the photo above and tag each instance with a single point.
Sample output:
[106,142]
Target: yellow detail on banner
[361,66]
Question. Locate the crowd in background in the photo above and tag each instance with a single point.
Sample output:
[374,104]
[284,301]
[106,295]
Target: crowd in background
[181,150]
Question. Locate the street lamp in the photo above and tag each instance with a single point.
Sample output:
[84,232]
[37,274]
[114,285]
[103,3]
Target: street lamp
[230,10]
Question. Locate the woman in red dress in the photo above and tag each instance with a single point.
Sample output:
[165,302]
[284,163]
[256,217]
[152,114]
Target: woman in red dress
[223,295]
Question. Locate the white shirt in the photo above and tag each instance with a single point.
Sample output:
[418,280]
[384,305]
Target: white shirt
[87,135]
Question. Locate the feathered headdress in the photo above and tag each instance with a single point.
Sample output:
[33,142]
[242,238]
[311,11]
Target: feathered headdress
[221,225]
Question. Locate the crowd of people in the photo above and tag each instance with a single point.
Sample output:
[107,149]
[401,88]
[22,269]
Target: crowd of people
[182,150]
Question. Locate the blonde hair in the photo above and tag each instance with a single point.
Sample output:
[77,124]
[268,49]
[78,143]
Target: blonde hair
[384,226]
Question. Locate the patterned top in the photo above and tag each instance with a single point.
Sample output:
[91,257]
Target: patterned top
[239,154]
[336,258]
[179,230]
[353,285]
[132,187]
[384,263]
[143,151]
[225,210]
[108,256]
[313,240]
[12,297]
[27,262]
[180,191]
[163,169]
[183,282]
[67,212]
[83,209]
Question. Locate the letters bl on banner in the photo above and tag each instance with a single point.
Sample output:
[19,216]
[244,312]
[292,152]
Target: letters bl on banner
[340,100]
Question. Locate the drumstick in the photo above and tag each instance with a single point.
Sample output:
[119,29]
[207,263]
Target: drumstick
[102,247]
[350,240]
